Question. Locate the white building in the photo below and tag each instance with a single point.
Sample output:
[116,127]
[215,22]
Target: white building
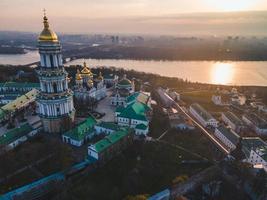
[16,136]
[258,124]
[133,115]
[227,136]
[123,89]
[233,121]
[216,99]
[255,150]
[202,116]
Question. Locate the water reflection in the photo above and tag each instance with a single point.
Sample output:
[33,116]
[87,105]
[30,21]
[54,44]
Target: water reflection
[222,73]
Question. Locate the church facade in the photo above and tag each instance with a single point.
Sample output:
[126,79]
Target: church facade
[55,100]
[88,87]
[123,89]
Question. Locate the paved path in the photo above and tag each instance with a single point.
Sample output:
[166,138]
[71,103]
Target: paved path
[105,107]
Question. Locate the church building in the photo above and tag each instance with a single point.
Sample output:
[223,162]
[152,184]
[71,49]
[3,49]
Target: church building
[87,86]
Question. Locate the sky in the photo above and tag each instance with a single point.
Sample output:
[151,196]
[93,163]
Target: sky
[135,16]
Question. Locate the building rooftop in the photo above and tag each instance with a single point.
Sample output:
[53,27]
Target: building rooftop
[80,131]
[229,134]
[141,127]
[15,134]
[233,118]
[256,144]
[110,140]
[135,110]
[18,103]
[257,120]
[202,112]
[138,96]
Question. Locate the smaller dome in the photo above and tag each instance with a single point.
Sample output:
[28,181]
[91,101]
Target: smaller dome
[125,81]
[86,71]
[78,77]
[90,83]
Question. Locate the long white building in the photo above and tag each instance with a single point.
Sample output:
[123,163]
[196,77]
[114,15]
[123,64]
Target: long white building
[202,116]
[227,136]
[233,121]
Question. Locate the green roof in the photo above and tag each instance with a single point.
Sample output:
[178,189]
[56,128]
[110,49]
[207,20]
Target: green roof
[141,126]
[109,125]
[136,111]
[84,128]
[110,140]
[109,76]
[125,82]
[15,134]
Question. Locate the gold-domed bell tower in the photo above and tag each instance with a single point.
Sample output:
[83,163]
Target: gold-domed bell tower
[55,100]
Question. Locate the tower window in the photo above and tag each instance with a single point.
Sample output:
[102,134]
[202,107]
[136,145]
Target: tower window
[51,61]
[55,87]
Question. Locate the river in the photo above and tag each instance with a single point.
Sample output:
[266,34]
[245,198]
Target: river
[229,73]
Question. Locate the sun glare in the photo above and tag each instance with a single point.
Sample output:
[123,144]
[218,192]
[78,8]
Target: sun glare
[232,5]
[222,73]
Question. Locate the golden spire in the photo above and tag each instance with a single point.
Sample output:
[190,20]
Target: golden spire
[100,77]
[47,34]
[78,75]
[86,70]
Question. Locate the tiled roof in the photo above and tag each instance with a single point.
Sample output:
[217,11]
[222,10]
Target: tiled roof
[84,128]
[15,134]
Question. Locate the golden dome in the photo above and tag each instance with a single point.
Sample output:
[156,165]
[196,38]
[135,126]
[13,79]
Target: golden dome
[86,70]
[90,83]
[47,35]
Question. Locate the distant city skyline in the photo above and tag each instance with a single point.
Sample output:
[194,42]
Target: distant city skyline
[136,16]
